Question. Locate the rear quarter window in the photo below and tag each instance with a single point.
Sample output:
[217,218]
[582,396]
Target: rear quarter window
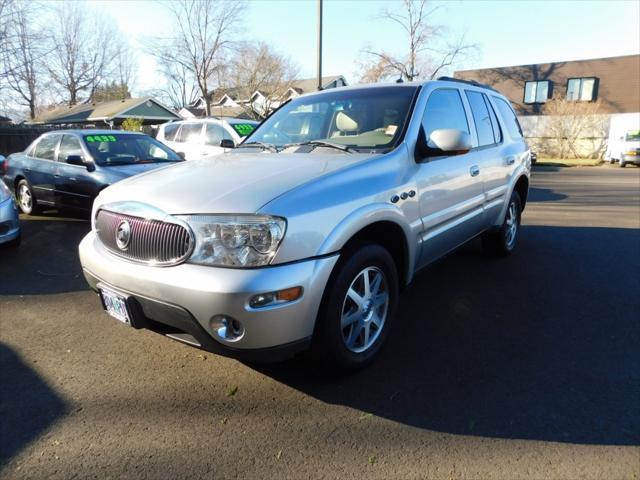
[509,118]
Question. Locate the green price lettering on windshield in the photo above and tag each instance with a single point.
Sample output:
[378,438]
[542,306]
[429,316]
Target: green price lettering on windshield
[100,138]
[243,129]
[89,139]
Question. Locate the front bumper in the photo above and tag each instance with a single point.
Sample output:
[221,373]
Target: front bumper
[195,294]
[630,158]
[9,221]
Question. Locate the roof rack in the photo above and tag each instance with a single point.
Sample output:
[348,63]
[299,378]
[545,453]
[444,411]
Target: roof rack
[468,82]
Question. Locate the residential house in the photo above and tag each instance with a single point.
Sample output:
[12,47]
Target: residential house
[240,103]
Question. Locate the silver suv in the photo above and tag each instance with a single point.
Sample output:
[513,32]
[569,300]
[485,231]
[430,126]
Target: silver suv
[302,239]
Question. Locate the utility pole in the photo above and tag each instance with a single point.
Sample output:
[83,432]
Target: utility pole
[319,44]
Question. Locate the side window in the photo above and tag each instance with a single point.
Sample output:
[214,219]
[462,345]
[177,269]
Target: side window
[46,147]
[444,110]
[190,133]
[509,118]
[481,118]
[170,131]
[69,145]
[214,134]
[497,133]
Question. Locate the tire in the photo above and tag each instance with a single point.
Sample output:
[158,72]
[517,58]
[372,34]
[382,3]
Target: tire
[622,164]
[503,242]
[26,199]
[366,327]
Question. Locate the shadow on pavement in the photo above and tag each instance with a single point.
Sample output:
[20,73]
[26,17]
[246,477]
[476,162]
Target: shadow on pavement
[28,406]
[540,346]
[26,271]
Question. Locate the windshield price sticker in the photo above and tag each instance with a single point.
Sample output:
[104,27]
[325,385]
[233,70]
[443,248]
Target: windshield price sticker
[100,138]
[243,129]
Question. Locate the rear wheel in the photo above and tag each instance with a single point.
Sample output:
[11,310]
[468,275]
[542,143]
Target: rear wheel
[26,199]
[622,163]
[503,242]
[357,310]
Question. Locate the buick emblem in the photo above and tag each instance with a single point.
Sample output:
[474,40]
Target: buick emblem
[123,235]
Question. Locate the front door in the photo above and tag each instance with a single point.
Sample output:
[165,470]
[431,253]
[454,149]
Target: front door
[75,186]
[449,187]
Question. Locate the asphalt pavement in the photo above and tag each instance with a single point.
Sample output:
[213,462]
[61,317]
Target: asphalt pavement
[525,367]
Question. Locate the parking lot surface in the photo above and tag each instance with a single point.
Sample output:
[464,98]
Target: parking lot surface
[525,367]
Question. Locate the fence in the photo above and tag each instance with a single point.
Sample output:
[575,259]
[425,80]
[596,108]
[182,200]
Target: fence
[15,138]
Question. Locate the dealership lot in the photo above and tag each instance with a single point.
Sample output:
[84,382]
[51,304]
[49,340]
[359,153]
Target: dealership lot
[526,367]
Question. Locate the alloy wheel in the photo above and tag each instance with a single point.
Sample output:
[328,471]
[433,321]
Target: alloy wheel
[364,309]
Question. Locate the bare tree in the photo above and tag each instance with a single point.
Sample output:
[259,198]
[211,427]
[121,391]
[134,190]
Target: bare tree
[428,52]
[83,50]
[21,55]
[257,67]
[179,89]
[203,39]
[577,129]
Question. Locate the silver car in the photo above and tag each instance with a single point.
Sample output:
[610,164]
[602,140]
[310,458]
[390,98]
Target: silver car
[9,221]
[303,239]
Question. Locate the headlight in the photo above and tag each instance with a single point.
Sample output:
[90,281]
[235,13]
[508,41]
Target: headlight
[235,240]
[4,192]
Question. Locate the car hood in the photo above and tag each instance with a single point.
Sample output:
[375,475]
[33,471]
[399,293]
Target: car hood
[133,169]
[229,183]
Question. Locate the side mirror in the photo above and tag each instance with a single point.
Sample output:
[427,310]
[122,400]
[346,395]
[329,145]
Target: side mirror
[80,161]
[227,143]
[181,155]
[449,141]
[75,160]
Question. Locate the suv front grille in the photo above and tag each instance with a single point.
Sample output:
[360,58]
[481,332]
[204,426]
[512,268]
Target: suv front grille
[148,241]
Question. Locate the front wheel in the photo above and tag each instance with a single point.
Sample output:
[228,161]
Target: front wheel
[503,242]
[357,309]
[622,164]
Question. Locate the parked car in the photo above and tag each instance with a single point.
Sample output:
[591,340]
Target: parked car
[203,138]
[68,168]
[286,245]
[624,149]
[9,221]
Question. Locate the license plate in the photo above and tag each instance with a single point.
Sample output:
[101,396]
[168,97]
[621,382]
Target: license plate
[115,305]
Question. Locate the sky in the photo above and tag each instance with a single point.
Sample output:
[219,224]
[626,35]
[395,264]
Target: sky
[506,32]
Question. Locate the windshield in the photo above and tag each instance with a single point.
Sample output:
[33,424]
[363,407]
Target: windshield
[127,149]
[633,136]
[363,119]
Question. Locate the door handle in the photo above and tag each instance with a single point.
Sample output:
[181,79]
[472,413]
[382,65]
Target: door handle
[56,175]
[474,171]
[511,160]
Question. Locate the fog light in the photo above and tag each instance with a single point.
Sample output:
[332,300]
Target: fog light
[275,298]
[227,327]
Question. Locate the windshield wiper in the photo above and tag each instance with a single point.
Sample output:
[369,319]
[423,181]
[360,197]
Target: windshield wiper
[264,146]
[321,143]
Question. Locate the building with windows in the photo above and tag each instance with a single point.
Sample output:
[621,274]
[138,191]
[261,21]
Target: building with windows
[610,85]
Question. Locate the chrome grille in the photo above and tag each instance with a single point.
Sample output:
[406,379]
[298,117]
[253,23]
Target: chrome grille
[151,241]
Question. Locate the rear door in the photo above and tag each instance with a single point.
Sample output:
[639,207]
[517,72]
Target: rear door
[75,186]
[449,187]
[491,157]
[40,167]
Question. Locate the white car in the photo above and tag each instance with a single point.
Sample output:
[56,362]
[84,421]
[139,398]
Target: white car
[203,138]
[625,149]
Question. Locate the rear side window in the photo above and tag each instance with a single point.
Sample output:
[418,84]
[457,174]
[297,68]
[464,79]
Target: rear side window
[509,118]
[170,131]
[190,133]
[481,118]
[46,147]
[444,110]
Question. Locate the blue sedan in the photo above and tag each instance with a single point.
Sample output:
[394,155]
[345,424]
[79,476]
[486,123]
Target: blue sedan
[68,168]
